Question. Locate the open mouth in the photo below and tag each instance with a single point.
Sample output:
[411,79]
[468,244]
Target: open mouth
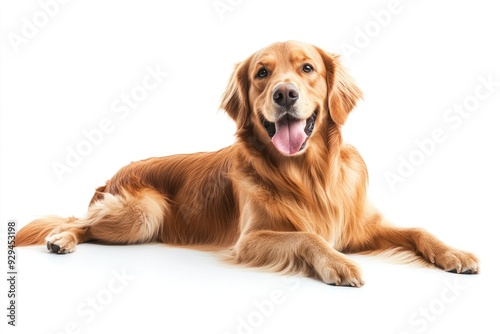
[288,134]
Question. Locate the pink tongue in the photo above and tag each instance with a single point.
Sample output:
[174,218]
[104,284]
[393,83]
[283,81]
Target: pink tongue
[290,135]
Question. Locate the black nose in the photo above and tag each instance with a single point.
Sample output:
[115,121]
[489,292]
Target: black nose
[285,95]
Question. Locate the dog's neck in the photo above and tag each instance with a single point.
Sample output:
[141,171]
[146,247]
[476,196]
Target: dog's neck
[319,160]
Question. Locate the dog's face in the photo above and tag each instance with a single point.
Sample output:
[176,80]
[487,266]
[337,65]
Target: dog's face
[287,91]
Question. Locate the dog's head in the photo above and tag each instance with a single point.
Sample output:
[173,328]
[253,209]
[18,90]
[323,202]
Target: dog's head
[285,92]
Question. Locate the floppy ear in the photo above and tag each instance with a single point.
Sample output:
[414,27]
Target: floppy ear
[235,98]
[343,93]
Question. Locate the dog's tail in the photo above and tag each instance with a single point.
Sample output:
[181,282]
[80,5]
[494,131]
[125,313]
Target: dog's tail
[35,232]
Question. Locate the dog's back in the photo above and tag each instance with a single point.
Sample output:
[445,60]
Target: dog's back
[203,213]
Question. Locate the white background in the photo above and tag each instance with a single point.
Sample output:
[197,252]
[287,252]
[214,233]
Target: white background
[65,78]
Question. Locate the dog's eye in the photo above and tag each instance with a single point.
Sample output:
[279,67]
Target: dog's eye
[307,68]
[262,73]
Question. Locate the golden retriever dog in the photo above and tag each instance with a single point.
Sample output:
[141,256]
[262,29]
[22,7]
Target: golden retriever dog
[287,196]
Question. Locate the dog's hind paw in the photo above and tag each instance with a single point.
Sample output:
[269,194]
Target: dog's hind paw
[61,243]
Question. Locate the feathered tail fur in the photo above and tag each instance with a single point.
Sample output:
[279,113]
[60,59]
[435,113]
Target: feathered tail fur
[35,232]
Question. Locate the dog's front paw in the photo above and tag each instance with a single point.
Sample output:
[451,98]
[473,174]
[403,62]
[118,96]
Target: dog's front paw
[455,261]
[61,243]
[341,272]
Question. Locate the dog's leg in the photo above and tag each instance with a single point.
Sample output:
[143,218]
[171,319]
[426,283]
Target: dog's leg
[298,252]
[125,218]
[381,236]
